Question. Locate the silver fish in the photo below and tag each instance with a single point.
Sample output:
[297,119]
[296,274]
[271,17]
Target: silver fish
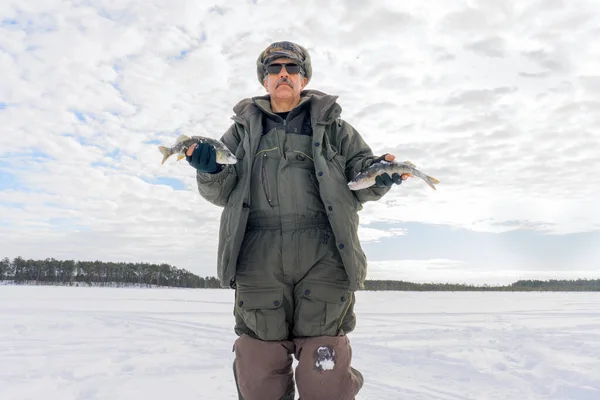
[366,178]
[183,142]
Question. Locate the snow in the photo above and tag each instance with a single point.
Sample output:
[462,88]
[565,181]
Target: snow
[67,343]
[325,359]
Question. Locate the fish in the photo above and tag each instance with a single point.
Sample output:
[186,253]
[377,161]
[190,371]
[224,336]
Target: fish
[366,178]
[183,142]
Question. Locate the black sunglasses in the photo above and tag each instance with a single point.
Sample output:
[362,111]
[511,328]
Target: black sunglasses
[276,68]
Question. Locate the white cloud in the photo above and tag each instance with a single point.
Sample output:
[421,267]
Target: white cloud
[374,235]
[498,100]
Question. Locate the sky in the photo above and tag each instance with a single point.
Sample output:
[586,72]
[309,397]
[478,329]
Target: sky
[497,100]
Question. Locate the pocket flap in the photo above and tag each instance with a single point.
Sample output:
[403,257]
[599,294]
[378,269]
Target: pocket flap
[250,299]
[327,291]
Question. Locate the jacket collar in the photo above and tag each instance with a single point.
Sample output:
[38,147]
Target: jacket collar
[324,108]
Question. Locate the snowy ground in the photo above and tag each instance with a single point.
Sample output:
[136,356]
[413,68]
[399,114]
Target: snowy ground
[59,343]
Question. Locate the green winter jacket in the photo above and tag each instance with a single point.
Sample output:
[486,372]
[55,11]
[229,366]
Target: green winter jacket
[339,153]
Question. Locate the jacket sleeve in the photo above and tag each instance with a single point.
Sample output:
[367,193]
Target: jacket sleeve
[216,187]
[358,156]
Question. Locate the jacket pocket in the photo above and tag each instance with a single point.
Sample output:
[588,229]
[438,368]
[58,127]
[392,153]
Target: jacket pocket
[321,308]
[337,164]
[262,311]
[338,160]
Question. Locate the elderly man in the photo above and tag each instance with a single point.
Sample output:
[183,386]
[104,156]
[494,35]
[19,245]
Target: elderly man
[288,240]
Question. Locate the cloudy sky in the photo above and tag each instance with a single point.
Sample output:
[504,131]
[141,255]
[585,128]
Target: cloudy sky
[499,100]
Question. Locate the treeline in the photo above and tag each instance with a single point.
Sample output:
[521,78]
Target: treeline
[564,285]
[99,273]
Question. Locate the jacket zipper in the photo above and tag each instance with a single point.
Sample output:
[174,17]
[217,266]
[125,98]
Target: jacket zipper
[265,179]
[282,152]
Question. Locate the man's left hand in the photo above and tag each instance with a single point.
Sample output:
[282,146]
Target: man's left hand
[385,179]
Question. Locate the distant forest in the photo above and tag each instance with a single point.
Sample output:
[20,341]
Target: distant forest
[121,274]
[99,273]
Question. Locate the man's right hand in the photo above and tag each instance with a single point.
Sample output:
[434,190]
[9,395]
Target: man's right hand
[203,157]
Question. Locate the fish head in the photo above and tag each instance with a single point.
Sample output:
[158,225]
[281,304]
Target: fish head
[225,157]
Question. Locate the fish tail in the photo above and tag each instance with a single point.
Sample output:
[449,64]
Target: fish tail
[430,180]
[166,152]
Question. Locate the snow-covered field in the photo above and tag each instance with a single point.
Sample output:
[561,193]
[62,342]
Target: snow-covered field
[59,343]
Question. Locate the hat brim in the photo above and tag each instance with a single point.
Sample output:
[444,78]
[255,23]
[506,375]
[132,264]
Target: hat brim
[281,54]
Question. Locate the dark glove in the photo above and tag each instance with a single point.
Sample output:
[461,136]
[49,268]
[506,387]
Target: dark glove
[204,158]
[385,179]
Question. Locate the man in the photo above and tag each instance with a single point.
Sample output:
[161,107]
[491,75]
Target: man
[288,240]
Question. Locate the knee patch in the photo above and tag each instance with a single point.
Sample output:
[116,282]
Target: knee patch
[324,370]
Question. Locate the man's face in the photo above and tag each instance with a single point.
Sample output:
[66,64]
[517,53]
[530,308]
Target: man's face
[283,84]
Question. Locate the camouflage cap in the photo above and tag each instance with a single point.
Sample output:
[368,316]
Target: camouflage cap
[283,49]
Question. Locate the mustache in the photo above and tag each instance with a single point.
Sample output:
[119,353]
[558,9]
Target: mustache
[284,80]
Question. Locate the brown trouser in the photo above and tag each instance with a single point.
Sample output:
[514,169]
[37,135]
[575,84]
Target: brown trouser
[263,369]
[293,303]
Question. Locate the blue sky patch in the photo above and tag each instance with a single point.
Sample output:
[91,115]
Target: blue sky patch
[119,90]
[8,21]
[8,181]
[517,250]
[39,156]
[116,154]
[43,22]
[86,116]
[82,140]
[104,165]
[11,204]
[79,116]
[182,54]
[3,105]
[176,184]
